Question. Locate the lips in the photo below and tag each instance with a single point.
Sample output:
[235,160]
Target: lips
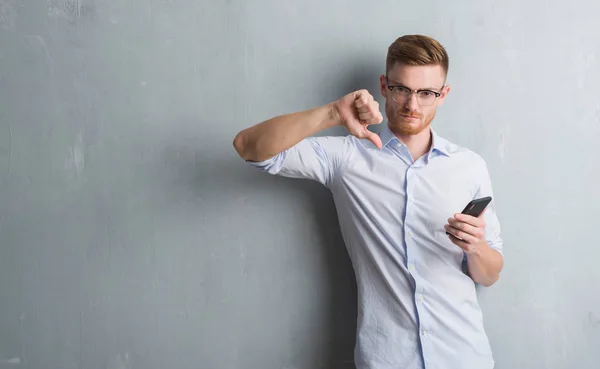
[411,117]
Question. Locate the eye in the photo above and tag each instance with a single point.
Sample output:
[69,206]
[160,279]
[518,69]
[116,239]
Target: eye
[401,89]
[426,93]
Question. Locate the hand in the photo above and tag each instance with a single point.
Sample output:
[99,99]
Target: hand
[467,232]
[356,111]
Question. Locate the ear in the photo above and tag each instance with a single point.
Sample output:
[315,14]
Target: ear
[383,86]
[445,92]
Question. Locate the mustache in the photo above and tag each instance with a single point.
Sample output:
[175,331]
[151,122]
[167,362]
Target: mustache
[409,114]
[401,110]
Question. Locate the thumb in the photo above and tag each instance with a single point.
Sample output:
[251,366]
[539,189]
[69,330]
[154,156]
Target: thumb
[373,137]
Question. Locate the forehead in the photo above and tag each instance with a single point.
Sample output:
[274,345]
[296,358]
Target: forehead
[417,76]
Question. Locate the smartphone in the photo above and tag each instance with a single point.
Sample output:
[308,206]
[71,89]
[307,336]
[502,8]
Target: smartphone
[475,207]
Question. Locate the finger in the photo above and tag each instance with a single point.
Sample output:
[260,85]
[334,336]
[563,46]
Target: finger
[477,233]
[366,108]
[463,245]
[371,117]
[362,98]
[476,222]
[466,237]
[377,118]
[465,227]
[365,117]
[371,106]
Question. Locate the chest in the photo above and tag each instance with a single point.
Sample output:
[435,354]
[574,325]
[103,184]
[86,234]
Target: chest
[388,188]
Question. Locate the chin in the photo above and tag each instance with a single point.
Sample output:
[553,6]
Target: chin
[405,129]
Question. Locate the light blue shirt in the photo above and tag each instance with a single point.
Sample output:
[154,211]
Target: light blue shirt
[416,306]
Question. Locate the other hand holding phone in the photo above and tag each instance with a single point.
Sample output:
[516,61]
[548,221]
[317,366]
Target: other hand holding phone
[466,230]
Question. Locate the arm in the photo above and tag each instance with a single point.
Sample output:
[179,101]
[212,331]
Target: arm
[483,262]
[277,134]
[356,111]
[480,236]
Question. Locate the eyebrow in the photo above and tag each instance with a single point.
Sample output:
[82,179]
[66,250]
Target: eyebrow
[394,83]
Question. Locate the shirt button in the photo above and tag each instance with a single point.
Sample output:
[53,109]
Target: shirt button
[409,234]
[425,332]
[421,298]
[398,144]
[411,267]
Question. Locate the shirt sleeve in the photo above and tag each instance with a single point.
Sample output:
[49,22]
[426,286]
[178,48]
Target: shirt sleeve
[314,158]
[492,228]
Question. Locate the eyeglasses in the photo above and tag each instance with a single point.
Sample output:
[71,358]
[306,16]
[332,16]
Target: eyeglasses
[401,94]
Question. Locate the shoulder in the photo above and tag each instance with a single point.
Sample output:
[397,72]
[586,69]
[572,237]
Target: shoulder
[465,158]
[348,144]
[462,152]
[328,139]
[328,144]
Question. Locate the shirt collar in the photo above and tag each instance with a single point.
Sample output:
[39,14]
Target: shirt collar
[439,143]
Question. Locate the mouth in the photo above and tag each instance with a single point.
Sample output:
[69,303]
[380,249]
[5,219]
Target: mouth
[409,117]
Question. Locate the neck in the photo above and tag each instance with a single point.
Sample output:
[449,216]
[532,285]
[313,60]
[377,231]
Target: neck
[418,144]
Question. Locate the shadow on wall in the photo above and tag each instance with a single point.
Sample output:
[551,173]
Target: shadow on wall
[201,172]
[226,183]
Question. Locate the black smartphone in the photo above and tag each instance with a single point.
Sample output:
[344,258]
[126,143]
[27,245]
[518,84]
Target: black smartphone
[475,207]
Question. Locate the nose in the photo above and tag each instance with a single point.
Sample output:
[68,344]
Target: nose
[412,104]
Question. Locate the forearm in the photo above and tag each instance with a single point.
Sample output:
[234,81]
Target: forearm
[484,264]
[267,139]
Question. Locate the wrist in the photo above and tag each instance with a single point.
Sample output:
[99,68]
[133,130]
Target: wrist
[478,248]
[333,118]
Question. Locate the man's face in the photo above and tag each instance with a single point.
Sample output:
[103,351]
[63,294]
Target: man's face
[409,114]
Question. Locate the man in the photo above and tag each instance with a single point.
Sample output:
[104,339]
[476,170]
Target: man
[397,193]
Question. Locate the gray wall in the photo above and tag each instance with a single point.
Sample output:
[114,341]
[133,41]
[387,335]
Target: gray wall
[131,236]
